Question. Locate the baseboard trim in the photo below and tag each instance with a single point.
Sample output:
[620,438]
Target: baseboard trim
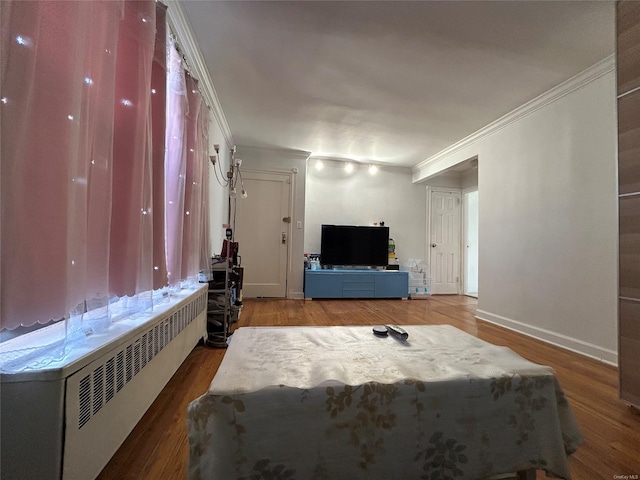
[587,349]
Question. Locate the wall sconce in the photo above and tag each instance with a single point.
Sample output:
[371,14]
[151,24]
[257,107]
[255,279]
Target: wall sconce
[234,175]
[231,181]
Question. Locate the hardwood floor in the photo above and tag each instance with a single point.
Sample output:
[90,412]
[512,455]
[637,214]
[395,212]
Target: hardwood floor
[157,448]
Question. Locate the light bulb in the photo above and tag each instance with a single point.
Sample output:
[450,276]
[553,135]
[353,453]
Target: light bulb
[348,167]
[233,193]
[319,165]
[244,193]
[373,169]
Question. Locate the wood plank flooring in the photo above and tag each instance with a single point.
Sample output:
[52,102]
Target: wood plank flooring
[157,448]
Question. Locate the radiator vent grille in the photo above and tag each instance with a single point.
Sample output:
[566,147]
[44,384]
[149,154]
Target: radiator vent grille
[143,351]
[98,388]
[129,362]
[120,371]
[150,340]
[136,357]
[84,398]
[110,380]
[104,383]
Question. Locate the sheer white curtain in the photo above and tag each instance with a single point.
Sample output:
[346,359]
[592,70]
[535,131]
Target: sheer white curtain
[94,164]
[204,237]
[175,162]
[196,178]
[186,162]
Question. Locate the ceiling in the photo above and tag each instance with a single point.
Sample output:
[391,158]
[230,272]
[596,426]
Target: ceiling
[392,82]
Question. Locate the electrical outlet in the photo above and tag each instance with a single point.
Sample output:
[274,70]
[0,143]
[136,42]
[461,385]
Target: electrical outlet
[299,225]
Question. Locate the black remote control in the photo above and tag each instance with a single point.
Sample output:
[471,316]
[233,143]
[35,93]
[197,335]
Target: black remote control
[398,332]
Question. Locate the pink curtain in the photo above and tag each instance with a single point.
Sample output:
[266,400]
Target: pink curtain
[58,74]
[131,241]
[94,164]
[158,118]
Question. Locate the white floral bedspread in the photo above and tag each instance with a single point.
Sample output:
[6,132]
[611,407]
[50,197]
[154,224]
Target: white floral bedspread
[315,403]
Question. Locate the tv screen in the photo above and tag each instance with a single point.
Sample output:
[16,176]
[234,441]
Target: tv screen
[351,245]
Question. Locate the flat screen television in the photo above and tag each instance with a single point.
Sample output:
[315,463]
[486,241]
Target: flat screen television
[350,245]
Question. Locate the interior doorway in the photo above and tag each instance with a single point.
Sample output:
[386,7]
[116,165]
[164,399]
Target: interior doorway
[444,246]
[470,227]
[263,229]
[454,217]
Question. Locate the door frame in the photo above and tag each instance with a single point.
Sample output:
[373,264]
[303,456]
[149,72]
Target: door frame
[464,213]
[290,174]
[460,229]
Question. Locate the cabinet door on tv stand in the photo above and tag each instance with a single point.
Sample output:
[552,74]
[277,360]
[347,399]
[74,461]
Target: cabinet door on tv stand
[323,285]
[392,285]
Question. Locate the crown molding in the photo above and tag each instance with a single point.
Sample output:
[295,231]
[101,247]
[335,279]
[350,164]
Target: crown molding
[273,152]
[585,77]
[181,28]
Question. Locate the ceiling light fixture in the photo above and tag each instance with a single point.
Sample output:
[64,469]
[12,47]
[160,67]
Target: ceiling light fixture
[348,167]
[319,165]
[373,169]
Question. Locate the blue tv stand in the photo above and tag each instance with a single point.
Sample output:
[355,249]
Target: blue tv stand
[356,284]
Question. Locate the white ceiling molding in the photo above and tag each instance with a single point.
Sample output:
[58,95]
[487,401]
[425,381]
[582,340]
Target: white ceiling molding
[589,75]
[189,46]
[272,153]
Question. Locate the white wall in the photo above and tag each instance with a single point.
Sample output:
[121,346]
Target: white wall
[548,216]
[465,180]
[451,180]
[358,198]
[218,195]
[469,179]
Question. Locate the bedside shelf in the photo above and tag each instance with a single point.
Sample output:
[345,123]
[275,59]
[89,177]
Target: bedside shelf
[221,311]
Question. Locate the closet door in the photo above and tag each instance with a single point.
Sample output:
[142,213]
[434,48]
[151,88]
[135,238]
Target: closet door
[628,78]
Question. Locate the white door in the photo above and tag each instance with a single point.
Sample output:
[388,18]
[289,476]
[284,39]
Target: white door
[262,233]
[445,242]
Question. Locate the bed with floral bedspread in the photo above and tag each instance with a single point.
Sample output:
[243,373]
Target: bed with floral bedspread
[315,403]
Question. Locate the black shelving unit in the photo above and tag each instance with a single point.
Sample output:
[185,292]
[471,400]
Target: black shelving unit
[224,301]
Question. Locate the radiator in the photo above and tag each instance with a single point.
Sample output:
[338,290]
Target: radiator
[68,424]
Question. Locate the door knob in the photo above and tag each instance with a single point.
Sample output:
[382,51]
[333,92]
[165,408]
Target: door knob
[433,245]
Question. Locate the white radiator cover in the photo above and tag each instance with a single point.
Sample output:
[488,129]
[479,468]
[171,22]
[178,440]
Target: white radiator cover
[67,423]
